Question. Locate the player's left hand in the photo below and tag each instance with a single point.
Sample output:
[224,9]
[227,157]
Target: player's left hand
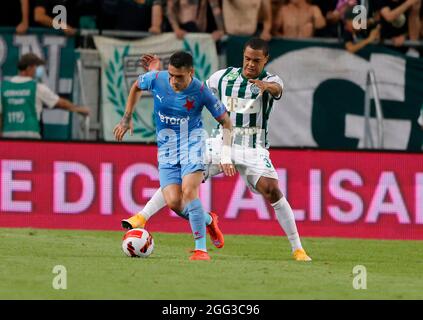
[263,86]
[122,127]
[228,169]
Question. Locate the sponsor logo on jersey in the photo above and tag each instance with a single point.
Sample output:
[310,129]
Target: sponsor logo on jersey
[160,98]
[172,120]
[232,75]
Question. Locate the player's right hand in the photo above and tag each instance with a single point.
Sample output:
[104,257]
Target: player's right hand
[228,169]
[121,128]
[151,62]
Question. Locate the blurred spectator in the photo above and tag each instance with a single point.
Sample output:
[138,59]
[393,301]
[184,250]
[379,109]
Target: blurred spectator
[22,100]
[107,14]
[343,6]
[276,4]
[88,11]
[44,15]
[247,17]
[415,21]
[420,121]
[265,23]
[333,25]
[140,15]
[357,39]
[298,19]
[399,17]
[191,16]
[421,21]
[16,15]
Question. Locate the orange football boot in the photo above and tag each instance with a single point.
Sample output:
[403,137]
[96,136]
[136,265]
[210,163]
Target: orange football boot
[216,235]
[136,221]
[200,255]
[300,255]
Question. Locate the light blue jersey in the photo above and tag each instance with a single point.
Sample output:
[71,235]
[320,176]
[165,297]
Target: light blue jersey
[179,128]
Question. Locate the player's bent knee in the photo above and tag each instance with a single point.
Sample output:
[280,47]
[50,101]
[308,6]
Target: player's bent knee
[189,194]
[275,194]
[272,193]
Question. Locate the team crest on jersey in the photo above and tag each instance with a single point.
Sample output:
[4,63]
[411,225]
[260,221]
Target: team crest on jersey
[189,103]
[254,89]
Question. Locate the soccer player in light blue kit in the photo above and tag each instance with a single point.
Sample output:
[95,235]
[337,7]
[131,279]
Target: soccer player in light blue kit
[179,99]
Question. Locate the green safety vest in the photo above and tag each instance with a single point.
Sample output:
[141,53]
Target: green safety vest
[19,111]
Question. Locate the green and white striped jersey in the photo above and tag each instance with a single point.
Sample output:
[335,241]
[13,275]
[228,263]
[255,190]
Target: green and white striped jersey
[246,107]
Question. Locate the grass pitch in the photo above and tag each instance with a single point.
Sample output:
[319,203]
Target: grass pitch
[248,267]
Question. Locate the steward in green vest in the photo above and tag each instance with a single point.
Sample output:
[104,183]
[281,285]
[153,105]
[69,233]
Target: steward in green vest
[19,113]
[22,100]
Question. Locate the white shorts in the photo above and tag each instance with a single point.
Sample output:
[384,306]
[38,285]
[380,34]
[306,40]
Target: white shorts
[251,163]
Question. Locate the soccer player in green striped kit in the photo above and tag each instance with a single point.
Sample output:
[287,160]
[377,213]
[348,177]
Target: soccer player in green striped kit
[248,93]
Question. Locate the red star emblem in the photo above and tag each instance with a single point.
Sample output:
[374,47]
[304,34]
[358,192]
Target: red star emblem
[189,104]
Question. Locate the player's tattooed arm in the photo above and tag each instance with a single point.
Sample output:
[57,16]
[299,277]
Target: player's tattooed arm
[125,123]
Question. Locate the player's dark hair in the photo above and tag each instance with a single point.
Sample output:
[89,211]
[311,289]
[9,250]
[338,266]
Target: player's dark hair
[181,59]
[258,44]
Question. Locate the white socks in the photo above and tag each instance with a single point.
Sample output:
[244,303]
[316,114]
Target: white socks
[153,206]
[287,221]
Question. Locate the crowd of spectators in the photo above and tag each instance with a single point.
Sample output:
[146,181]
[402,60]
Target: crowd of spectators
[394,20]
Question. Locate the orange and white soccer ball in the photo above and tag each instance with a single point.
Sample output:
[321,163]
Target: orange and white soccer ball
[138,243]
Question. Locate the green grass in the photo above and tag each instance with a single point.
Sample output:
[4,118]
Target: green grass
[248,267]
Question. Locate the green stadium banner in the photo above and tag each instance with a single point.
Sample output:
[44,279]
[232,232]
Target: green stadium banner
[324,94]
[120,68]
[59,53]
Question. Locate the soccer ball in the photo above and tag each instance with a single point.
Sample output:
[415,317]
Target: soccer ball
[138,243]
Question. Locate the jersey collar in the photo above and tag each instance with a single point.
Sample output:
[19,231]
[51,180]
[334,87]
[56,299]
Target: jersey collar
[260,76]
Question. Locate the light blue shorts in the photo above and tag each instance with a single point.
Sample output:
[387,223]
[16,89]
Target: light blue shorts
[173,173]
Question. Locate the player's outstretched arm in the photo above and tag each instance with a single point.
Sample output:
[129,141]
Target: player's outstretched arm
[125,123]
[273,88]
[226,159]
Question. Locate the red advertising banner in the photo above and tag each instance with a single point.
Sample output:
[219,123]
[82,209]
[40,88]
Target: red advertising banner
[93,186]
